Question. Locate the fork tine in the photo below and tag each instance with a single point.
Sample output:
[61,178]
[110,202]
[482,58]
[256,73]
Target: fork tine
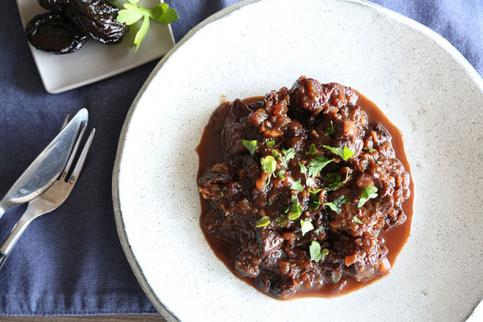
[66,120]
[74,151]
[82,158]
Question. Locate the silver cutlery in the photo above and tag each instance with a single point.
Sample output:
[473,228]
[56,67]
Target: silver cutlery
[53,197]
[46,168]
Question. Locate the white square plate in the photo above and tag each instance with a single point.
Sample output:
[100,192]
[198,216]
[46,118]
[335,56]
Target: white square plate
[94,61]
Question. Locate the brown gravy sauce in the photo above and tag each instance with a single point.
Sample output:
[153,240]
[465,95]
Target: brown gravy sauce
[210,152]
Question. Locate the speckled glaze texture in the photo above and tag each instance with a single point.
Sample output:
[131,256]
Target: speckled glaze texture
[422,84]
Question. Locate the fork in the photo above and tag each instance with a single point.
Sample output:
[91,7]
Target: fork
[53,197]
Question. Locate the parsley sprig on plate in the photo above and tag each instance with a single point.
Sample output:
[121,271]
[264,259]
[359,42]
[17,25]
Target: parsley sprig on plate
[133,12]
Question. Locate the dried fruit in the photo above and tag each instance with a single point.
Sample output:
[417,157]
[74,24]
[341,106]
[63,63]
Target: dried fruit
[97,18]
[57,6]
[53,33]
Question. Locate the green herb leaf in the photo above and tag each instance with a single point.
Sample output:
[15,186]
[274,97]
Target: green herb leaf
[269,164]
[369,192]
[316,253]
[289,154]
[303,168]
[313,150]
[295,209]
[336,204]
[344,152]
[250,145]
[306,226]
[141,34]
[129,17]
[315,191]
[277,155]
[164,14]
[334,181]
[317,164]
[296,185]
[357,220]
[263,222]
[281,174]
[314,199]
[270,143]
[314,204]
[133,12]
[330,129]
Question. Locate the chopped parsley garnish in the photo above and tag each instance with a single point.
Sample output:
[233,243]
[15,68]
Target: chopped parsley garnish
[369,192]
[303,168]
[263,222]
[344,152]
[315,191]
[329,130]
[269,164]
[357,220]
[334,181]
[337,203]
[276,154]
[289,154]
[295,209]
[317,164]
[314,199]
[281,174]
[250,145]
[314,204]
[306,226]
[296,185]
[270,143]
[313,150]
[316,253]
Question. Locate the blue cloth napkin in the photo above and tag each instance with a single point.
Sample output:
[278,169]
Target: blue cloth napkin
[71,262]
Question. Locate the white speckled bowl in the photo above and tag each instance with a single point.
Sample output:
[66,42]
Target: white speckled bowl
[422,84]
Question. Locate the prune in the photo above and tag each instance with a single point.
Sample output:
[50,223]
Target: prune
[97,18]
[57,6]
[53,33]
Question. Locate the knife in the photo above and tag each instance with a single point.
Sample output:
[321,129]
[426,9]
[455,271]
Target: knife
[47,167]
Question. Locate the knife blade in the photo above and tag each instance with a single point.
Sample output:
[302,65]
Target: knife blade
[47,167]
